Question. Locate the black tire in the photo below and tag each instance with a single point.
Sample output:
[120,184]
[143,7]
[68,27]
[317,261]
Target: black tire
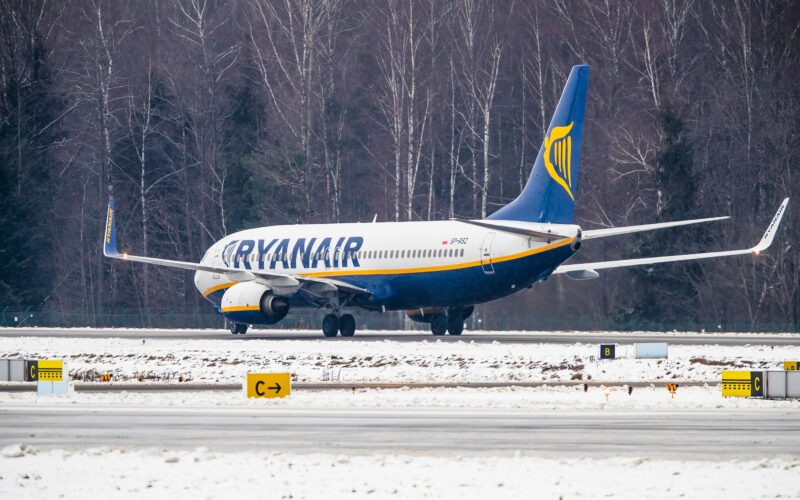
[234,328]
[347,325]
[242,329]
[455,321]
[330,325]
[439,324]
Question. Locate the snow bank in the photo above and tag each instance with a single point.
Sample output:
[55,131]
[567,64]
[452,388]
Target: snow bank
[387,361]
[510,398]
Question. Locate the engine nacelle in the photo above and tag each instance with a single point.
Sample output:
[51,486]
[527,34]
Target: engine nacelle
[253,303]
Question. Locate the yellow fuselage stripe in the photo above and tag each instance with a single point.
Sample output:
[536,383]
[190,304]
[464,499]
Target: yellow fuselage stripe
[240,308]
[430,269]
[218,288]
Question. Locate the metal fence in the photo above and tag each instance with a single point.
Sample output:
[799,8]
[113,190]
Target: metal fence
[483,319]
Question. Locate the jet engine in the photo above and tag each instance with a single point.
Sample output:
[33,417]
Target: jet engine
[251,302]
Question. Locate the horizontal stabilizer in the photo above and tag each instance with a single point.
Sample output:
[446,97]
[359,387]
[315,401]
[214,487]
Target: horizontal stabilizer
[589,234]
[535,230]
[766,241]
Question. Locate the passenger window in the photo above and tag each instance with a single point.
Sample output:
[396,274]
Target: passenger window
[462,252]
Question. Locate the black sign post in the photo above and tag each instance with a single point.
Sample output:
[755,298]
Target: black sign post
[607,351]
[756,384]
[31,370]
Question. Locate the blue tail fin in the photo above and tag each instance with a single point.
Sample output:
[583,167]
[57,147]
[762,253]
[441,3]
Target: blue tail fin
[549,195]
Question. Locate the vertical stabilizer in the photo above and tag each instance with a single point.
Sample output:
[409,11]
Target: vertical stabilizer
[549,195]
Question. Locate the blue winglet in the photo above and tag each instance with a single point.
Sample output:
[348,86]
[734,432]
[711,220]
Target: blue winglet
[110,238]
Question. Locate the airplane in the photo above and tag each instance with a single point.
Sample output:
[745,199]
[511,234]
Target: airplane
[435,271]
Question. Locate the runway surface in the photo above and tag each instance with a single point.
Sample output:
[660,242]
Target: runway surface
[415,336]
[708,434]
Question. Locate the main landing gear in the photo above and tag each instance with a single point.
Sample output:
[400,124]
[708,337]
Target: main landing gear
[238,328]
[333,325]
[452,322]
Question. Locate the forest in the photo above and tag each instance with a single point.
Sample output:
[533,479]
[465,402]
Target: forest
[204,117]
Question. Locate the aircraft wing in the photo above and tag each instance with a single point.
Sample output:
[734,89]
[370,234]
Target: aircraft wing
[589,270]
[589,234]
[267,277]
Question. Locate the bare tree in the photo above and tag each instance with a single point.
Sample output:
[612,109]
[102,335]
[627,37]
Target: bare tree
[288,39]
[400,101]
[198,82]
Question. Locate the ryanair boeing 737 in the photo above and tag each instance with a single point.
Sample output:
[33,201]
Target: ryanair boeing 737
[435,271]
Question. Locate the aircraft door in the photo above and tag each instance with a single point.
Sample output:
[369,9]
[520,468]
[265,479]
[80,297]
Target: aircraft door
[486,254]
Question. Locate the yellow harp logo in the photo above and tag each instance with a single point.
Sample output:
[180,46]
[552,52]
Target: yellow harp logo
[558,157]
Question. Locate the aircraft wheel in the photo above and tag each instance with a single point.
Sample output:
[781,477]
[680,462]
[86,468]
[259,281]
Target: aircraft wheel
[238,328]
[242,329]
[455,321]
[330,325]
[439,324]
[347,325]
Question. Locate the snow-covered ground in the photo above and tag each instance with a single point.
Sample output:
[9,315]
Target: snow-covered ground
[134,472]
[505,398]
[204,360]
[153,473]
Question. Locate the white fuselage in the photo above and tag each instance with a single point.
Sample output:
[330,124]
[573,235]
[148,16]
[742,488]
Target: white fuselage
[374,255]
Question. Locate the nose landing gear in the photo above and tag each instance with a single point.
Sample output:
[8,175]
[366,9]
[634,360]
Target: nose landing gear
[238,328]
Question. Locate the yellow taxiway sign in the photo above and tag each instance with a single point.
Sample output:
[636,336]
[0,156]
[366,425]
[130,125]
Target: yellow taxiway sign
[268,385]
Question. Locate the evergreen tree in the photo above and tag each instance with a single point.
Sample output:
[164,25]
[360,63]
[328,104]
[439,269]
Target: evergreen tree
[664,294]
[28,109]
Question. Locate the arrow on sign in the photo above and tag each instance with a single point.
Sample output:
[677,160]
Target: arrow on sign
[276,388]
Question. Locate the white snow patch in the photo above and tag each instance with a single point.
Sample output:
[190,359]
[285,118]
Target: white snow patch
[125,473]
